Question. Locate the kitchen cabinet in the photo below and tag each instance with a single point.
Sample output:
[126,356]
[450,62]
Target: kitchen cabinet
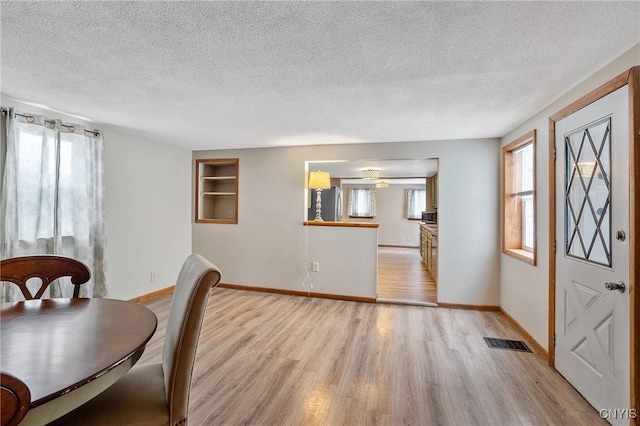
[434,191]
[433,261]
[423,244]
[429,248]
[428,251]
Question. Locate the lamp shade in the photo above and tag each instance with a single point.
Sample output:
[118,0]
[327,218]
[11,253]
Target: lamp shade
[319,180]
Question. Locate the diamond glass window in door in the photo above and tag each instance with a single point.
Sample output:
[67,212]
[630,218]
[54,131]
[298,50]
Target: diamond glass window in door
[587,193]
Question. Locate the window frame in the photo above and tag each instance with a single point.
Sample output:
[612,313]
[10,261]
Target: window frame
[513,220]
[525,199]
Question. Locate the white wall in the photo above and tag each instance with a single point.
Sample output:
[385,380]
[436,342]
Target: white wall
[395,229]
[330,246]
[148,213]
[524,290]
[148,202]
[269,246]
[3,148]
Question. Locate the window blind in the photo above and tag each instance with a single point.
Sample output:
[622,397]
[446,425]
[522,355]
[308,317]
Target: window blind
[523,170]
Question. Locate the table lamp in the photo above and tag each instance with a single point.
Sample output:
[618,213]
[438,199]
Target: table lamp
[319,181]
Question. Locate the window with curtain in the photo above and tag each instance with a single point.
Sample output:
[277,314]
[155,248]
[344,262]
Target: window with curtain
[415,202]
[362,203]
[519,225]
[53,198]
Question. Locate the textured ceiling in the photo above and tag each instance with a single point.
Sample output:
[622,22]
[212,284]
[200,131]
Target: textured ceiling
[245,74]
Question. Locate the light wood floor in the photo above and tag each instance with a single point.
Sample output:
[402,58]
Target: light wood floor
[268,359]
[403,277]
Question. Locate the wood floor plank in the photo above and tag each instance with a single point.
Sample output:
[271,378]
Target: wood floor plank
[315,405]
[403,276]
[270,359]
[373,418]
[344,411]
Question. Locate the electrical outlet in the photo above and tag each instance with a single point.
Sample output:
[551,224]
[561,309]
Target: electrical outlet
[230,214]
[408,238]
[315,266]
[153,276]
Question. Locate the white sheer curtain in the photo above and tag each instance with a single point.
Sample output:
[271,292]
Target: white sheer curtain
[362,202]
[53,199]
[416,202]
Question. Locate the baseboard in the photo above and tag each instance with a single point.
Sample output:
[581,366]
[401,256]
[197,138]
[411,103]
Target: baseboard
[153,295]
[299,293]
[405,302]
[487,308]
[529,338]
[395,246]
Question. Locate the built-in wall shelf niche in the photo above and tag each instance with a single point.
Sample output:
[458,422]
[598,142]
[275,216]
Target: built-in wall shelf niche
[217,190]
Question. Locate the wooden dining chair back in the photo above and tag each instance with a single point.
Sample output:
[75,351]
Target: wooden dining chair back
[47,268]
[158,394]
[14,400]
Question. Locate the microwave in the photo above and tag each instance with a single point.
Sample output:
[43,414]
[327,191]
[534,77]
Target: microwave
[431,217]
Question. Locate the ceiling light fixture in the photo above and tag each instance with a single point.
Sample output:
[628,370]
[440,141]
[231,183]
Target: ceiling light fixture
[370,173]
[586,168]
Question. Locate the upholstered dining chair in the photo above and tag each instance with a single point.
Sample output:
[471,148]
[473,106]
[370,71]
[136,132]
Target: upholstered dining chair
[47,268]
[158,394]
[14,398]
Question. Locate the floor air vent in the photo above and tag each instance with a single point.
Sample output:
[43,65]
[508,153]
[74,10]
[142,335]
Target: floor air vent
[509,345]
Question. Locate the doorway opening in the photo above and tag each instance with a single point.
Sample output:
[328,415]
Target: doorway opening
[401,196]
[403,277]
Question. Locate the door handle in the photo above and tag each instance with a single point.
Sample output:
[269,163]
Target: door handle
[615,286]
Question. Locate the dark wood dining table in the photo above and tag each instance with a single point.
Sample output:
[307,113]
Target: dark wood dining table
[69,350]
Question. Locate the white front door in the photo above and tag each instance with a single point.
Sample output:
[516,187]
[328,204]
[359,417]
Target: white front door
[592,252]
